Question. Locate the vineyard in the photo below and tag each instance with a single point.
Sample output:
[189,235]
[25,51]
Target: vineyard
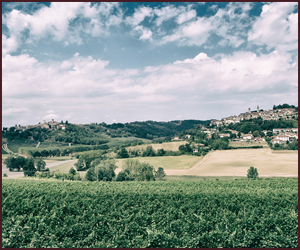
[259,213]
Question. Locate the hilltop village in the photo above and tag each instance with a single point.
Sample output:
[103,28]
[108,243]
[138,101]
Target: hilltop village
[275,126]
[276,135]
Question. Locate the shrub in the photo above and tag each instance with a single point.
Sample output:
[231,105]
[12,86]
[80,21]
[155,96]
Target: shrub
[58,175]
[252,173]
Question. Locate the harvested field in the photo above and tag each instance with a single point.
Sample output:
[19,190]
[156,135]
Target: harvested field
[173,146]
[167,162]
[248,144]
[237,162]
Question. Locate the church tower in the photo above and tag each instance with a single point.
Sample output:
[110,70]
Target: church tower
[257,109]
[249,110]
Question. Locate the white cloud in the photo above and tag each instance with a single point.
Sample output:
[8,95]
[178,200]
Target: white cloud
[87,85]
[14,111]
[146,33]
[276,27]
[9,44]
[165,13]
[139,15]
[187,16]
[57,20]
[227,23]
[50,117]
[192,33]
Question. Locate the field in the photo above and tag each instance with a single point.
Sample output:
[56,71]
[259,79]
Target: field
[234,163]
[203,214]
[237,162]
[167,162]
[238,144]
[173,146]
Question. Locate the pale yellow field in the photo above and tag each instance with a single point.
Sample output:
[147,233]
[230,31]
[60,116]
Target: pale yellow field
[64,167]
[248,144]
[237,162]
[173,146]
[167,162]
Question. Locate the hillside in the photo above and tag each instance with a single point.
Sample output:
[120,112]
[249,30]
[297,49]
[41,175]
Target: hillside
[117,134]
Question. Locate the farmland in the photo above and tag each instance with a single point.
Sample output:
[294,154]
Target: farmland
[168,162]
[246,144]
[194,214]
[172,146]
[228,163]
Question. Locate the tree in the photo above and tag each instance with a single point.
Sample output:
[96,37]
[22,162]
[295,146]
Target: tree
[256,133]
[9,162]
[161,152]
[139,171]
[277,146]
[160,173]
[91,174]
[232,136]
[79,165]
[106,170]
[219,144]
[185,148]
[145,172]
[28,168]
[36,154]
[149,151]
[124,175]
[72,171]
[252,173]
[123,153]
[40,164]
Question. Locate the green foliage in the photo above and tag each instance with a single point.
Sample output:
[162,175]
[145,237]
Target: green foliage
[139,171]
[161,152]
[252,173]
[28,168]
[160,173]
[15,162]
[185,148]
[283,106]
[149,152]
[91,174]
[101,170]
[62,151]
[79,165]
[219,143]
[123,153]
[124,175]
[72,171]
[188,214]
[256,133]
[40,164]
[5,175]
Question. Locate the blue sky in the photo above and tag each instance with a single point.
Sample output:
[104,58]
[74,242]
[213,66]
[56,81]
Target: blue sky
[123,62]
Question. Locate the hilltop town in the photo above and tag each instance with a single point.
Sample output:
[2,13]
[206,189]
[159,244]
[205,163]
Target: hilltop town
[236,128]
[223,128]
[271,114]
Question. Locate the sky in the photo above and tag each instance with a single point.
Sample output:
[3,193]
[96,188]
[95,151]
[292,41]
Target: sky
[123,62]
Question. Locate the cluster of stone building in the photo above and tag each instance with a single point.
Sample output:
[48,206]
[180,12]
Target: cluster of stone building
[52,125]
[284,135]
[280,135]
[285,114]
